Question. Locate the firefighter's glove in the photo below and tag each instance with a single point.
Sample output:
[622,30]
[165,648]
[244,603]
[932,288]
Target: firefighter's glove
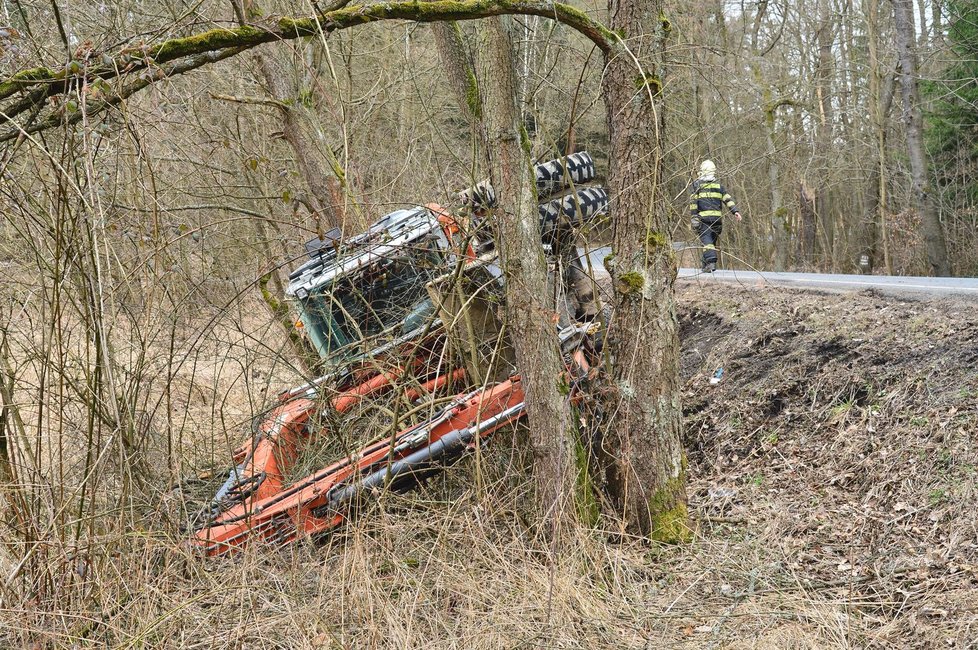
[694,223]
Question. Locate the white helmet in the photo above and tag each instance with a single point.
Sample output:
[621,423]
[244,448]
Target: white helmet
[708,170]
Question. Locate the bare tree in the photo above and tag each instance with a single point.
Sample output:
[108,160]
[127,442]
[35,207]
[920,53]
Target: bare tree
[530,320]
[874,235]
[26,95]
[930,223]
[770,105]
[325,198]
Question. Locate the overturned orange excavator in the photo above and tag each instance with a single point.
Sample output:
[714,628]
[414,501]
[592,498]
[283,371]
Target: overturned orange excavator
[408,307]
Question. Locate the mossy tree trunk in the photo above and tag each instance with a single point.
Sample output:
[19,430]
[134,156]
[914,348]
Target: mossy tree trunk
[644,469]
[458,70]
[530,320]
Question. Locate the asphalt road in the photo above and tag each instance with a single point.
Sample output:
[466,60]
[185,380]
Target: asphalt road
[886,284]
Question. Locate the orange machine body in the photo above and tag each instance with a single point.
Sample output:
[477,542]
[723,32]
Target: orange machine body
[309,506]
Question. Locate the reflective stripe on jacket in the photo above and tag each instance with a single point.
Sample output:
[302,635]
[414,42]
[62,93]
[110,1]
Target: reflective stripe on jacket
[708,198]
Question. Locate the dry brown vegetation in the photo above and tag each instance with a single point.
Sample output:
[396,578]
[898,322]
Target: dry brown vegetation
[833,481]
[833,469]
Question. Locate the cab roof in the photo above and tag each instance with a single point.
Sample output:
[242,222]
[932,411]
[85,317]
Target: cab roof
[334,259]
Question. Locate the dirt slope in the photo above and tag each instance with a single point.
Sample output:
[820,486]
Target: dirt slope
[840,447]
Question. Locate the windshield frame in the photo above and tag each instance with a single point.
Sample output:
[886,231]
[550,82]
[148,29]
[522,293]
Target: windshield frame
[362,306]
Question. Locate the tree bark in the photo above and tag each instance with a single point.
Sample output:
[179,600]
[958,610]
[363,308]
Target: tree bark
[873,234]
[458,69]
[18,511]
[8,413]
[931,229]
[325,195]
[807,199]
[824,209]
[779,221]
[644,468]
[779,225]
[531,322]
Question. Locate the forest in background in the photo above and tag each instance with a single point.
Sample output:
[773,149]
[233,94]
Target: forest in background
[799,103]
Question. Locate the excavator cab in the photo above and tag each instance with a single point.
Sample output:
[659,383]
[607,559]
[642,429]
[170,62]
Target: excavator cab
[369,292]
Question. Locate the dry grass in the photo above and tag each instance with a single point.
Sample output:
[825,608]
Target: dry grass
[833,492]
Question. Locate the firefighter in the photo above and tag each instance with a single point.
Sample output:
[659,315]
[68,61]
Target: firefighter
[706,210]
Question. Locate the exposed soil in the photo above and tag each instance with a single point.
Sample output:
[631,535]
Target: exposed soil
[839,452]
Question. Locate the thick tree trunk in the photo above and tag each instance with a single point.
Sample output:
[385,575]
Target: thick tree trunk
[779,221]
[931,229]
[643,460]
[458,69]
[779,225]
[869,227]
[8,413]
[17,512]
[531,322]
[806,205]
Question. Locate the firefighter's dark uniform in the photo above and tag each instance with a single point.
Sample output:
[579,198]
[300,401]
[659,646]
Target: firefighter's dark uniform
[706,211]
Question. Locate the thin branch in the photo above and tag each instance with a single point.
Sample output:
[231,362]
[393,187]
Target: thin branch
[257,101]
[61,27]
[195,208]
[238,11]
[94,108]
